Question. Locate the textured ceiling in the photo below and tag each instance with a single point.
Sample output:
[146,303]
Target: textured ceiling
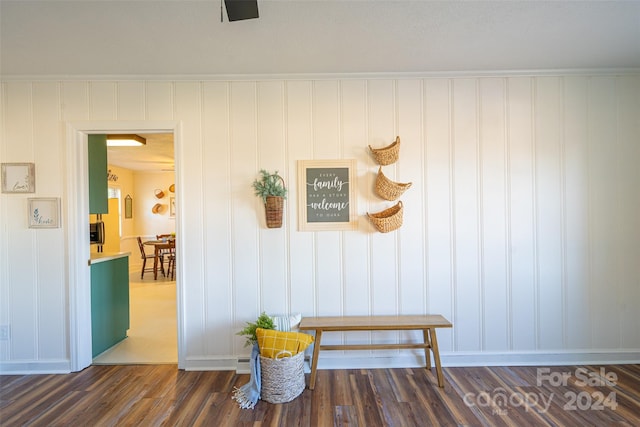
[181,37]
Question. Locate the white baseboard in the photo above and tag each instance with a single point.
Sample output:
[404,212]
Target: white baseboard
[343,360]
[560,358]
[222,363]
[365,359]
[31,367]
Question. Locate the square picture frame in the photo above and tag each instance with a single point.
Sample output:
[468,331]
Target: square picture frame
[44,212]
[18,177]
[327,195]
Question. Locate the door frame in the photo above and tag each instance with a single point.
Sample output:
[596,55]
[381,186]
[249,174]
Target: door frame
[76,222]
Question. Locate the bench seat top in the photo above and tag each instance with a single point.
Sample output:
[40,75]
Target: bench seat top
[374,323]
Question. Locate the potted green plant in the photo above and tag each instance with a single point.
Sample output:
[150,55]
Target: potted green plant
[249,331]
[270,187]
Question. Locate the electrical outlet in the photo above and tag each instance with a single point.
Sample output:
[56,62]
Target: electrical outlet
[4,332]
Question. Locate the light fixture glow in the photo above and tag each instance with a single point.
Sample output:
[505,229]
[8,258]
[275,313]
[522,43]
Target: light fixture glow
[125,140]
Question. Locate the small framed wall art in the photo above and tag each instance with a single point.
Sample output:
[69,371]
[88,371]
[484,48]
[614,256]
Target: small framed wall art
[44,212]
[327,195]
[18,177]
[128,207]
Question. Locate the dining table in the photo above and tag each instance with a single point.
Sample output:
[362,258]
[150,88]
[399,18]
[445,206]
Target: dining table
[159,246]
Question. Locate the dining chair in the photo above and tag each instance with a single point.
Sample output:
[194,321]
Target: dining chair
[145,256]
[164,252]
[171,257]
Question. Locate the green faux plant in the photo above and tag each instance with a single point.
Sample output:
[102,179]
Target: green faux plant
[269,184]
[263,321]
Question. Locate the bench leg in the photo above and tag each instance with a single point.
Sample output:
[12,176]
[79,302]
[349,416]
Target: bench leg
[436,356]
[427,347]
[314,359]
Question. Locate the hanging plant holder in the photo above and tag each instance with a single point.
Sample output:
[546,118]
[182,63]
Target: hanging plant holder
[273,209]
[272,190]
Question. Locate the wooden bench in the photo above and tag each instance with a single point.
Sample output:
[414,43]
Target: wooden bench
[425,323]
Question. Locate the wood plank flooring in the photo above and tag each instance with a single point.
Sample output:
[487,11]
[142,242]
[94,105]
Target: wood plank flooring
[161,395]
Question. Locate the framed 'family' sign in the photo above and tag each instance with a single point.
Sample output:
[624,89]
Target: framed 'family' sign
[326,195]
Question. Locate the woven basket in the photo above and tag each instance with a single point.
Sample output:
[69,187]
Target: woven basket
[282,379]
[389,219]
[273,210]
[387,155]
[387,189]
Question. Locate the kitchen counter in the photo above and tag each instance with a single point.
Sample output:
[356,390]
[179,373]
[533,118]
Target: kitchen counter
[98,257]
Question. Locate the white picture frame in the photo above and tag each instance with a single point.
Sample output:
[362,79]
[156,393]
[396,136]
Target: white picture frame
[172,207]
[18,177]
[44,212]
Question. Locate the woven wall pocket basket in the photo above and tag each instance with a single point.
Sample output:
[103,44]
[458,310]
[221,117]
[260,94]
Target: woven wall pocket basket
[273,211]
[387,189]
[389,219]
[387,155]
[282,379]
[273,207]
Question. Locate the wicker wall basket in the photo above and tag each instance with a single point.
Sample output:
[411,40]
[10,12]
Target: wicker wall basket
[387,189]
[282,379]
[387,155]
[273,210]
[389,219]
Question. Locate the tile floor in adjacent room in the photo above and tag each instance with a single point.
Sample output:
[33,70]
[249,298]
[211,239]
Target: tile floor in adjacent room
[152,337]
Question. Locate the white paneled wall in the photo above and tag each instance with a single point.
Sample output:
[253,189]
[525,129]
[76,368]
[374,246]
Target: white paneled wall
[522,225]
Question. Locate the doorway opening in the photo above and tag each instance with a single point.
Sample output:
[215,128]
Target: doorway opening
[77,218]
[147,174]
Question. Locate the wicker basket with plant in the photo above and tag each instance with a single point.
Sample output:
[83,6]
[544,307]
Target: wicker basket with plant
[270,187]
